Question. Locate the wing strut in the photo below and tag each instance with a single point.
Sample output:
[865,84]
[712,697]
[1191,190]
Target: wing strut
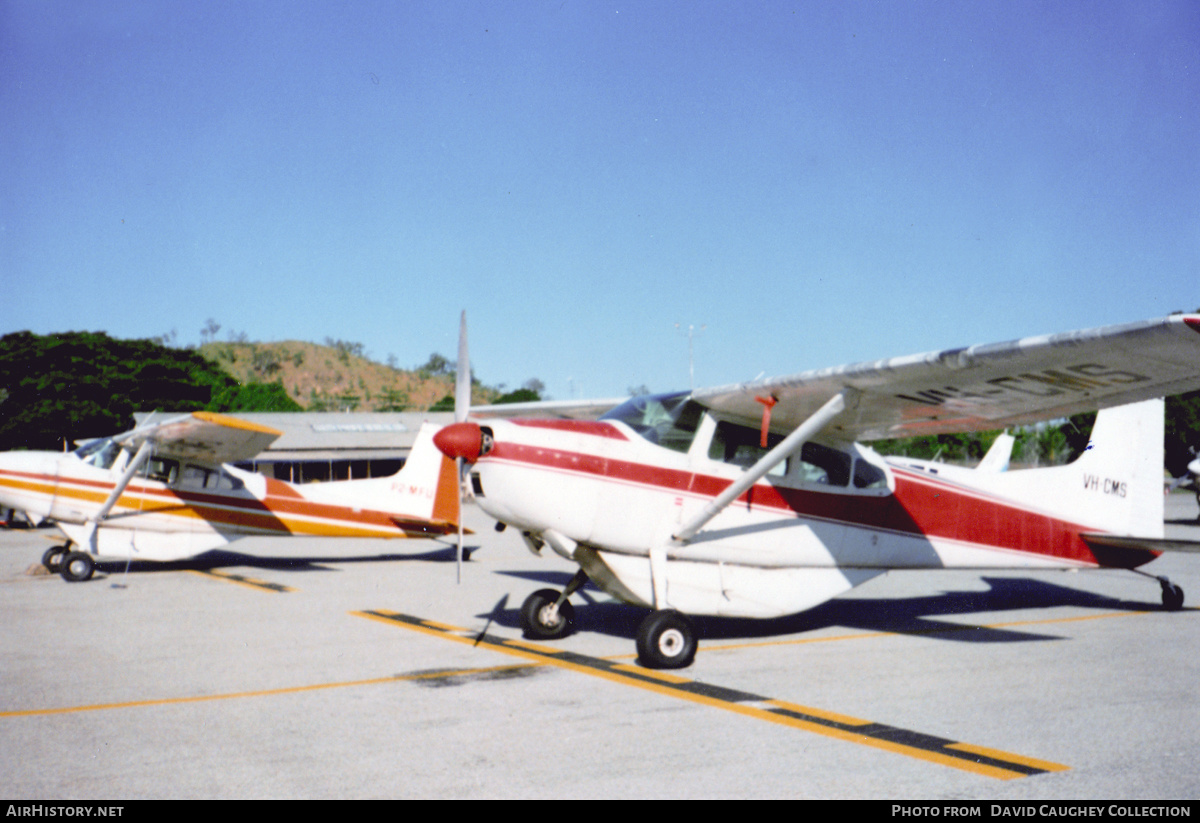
[143,454]
[803,433]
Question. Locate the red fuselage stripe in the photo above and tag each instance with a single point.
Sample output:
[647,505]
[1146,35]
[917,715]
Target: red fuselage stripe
[919,506]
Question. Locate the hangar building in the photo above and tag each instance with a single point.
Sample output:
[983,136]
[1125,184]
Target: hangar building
[322,446]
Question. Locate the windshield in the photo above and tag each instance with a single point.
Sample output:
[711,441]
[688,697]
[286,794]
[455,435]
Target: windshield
[668,420]
[99,453]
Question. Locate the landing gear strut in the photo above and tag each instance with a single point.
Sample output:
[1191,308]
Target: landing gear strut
[547,614]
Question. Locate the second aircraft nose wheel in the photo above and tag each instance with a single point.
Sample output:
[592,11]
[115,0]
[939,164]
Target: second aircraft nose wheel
[544,618]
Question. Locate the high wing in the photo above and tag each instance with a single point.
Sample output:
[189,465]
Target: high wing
[554,409]
[202,437]
[982,387]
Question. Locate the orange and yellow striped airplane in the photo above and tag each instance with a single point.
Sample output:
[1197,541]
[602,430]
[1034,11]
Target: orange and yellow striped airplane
[166,492]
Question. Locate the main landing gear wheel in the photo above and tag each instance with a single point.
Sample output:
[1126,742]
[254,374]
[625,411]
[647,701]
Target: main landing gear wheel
[666,640]
[53,558]
[542,620]
[77,567]
[1172,596]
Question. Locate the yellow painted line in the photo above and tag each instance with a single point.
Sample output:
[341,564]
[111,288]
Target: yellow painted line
[175,701]
[1044,765]
[842,719]
[533,647]
[261,585]
[665,677]
[977,759]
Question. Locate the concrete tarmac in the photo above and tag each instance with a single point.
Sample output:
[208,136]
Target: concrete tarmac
[359,669]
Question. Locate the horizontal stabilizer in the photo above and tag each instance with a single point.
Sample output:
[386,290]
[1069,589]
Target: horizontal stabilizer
[1154,544]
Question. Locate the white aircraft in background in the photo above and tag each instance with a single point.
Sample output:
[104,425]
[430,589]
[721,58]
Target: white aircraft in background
[757,500]
[163,492]
[1190,479]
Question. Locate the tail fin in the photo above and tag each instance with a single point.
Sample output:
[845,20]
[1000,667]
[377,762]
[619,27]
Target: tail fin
[428,481]
[1123,468]
[1116,485]
[999,455]
[424,494]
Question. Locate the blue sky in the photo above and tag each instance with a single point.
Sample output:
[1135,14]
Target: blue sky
[812,183]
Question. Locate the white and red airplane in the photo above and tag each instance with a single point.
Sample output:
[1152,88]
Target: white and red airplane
[163,492]
[757,500]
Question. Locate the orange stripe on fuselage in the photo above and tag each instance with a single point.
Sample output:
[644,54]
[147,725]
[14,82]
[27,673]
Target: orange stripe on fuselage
[283,511]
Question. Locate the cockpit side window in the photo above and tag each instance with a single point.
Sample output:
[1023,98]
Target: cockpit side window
[821,464]
[668,420]
[200,477]
[163,470]
[868,475]
[742,446]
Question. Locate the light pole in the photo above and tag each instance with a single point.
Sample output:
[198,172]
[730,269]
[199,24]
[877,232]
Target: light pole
[691,332]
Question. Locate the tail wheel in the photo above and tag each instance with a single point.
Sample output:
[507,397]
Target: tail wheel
[77,567]
[1172,597]
[53,558]
[666,640]
[541,620]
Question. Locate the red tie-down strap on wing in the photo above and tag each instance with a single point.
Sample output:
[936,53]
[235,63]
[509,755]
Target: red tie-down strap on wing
[768,404]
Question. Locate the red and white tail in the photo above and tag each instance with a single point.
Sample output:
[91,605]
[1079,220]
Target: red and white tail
[1116,486]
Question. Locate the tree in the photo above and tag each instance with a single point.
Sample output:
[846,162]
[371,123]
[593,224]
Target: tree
[268,397]
[437,364]
[393,400]
[518,396]
[1182,432]
[86,384]
[209,332]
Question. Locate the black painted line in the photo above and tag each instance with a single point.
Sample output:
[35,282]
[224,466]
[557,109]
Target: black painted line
[981,760]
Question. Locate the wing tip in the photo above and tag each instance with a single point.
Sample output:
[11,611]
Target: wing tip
[234,422]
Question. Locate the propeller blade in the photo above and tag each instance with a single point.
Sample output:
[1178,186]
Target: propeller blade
[462,375]
[462,406]
[458,466]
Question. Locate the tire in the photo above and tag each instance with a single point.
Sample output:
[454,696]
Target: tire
[536,622]
[77,567]
[1172,597]
[53,558]
[666,640]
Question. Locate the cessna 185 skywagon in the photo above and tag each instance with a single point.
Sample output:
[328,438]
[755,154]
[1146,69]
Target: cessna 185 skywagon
[757,500]
[163,492]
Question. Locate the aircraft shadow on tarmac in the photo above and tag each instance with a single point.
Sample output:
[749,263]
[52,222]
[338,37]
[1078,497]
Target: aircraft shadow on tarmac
[904,615]
[223,558]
